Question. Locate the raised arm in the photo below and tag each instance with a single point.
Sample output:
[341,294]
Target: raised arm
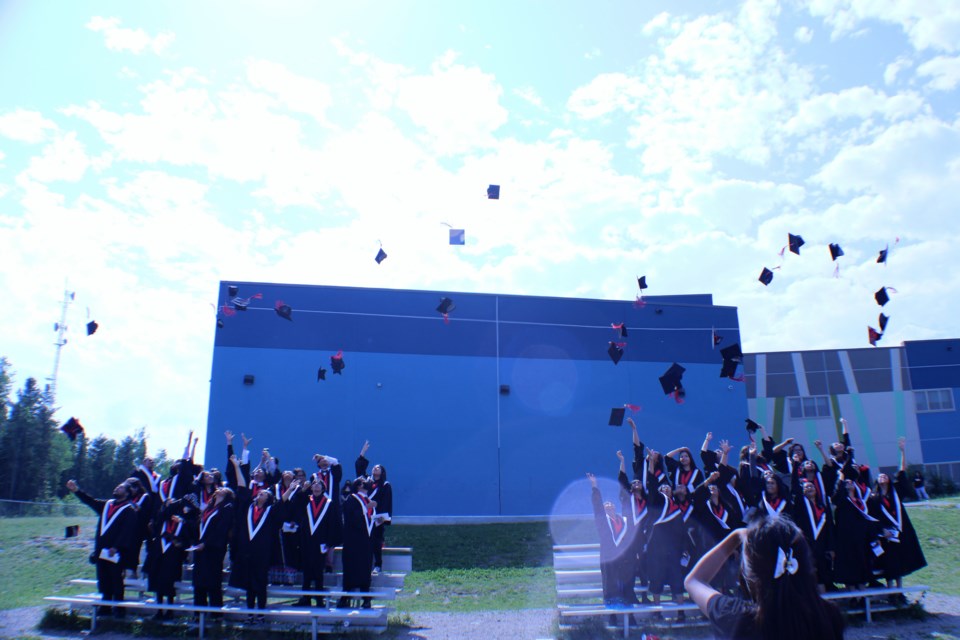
[827,460]
[193,449]
[706,441]
[698,580]
[779,447]
[636,436]
[186,449]
[361,464]
[902,444]
[241,481]
[724,452]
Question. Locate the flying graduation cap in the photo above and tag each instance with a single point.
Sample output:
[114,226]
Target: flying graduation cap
[336,363]
[322,374]
[615,351]
[233,290]
[642,282]
[621,329]
[795,242]
[616,417]
[883,322]
[671,382]
[72,428]
[445,307]
[835,251]
[283,310]
[241,304]
[766,276]
[92,327]
[873,336]
[381,255]
[882,258]
[881,296]
[752,427]
[493,192]
[732,357]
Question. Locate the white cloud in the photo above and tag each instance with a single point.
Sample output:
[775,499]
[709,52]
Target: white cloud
[803,34]
[929,24]
[63,159]
[606,93]
[593,54]
[137,41]
[297,93]
[856,102]
[944,71]
[529,94]
[25,126]
[894,68]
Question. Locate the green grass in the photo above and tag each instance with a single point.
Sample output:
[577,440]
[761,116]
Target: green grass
[938,528]
[455,567]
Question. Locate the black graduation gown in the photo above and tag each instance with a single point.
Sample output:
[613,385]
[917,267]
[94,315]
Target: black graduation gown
[691,479]
[665,545]
[815,519]
[357,546]
[116,529]
[636,509]
[332,477]
[149,479]
[176,534]
[286,549]
[902,553]
[213,531]
[617,562]
[254,543]
[855,533]
[315,527]
[731,496]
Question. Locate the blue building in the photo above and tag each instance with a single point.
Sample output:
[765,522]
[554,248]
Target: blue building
[884,393]
[491,413]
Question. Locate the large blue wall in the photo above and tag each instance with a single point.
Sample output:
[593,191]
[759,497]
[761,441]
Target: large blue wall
[427,393]
[935,364]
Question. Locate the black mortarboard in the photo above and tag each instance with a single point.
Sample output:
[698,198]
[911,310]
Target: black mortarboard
[752,427]
[381,256]
[795,243]
[458,236]
[835,251]
[493,192]
[621,329]
[283,310]
[92,327]
[729,368]
[71,531]
[873,336]
[616,417]
[732,352]
[615,352]
[446,306]
[72,428]
[336,362]
[883,321]
[642,282]
[219,323]
[241,304]
[766,276]
[883,255]
[233,290]
[670,381]
[881,296]
[321,374]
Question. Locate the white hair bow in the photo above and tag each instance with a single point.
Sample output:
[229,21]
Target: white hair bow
[786,563]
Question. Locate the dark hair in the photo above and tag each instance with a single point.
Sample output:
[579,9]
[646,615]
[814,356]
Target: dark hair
[693,464]
[383,472]
[788,607]
[217,476]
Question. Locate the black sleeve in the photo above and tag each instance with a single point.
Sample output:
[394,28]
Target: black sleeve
[385,499]
[731,617]
[709,459]
[597,501]
[93,503]
[624,483]
[230,471]
[639,472]
[360,466]
[671,464]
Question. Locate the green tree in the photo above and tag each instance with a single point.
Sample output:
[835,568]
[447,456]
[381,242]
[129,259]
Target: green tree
[25,446]
[99,479]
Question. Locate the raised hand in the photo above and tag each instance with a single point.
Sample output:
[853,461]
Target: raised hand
[725,446]
[713,477]
[633,425]
[901,443]
[592,479]
[620,455]
[363,450]
[72,486]
[246,441]
[709,436]
[229,435]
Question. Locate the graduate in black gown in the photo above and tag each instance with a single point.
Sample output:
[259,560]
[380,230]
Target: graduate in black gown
[717,519]
[815,518]
[113,545]
[667,536]
[213,534]
[358,520]
[315,526]
[902,552]
[330,473]
[856,538]
[143,501]
[633,496]
[255,528]
[616,564]
[177,528]
[382,493]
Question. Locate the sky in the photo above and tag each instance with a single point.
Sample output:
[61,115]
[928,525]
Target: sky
[149,151]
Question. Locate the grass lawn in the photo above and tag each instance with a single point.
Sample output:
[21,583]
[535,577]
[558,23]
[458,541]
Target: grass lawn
[455,567]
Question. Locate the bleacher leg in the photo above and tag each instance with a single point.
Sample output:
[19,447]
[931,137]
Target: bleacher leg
[626,625]
[313,627]
[202,625]
[866,606]
[93,620]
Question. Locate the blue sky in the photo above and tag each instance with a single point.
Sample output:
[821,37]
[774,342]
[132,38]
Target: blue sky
[148,151]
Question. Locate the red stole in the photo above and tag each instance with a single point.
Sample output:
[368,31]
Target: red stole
[113,506]
[257,514]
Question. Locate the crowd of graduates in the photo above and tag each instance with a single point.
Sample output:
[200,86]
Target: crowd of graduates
[267,524]
[672,512]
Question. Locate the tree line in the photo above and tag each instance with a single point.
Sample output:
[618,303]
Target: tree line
[37,458]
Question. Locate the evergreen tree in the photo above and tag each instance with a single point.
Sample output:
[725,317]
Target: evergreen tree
[99,479]
[25,446]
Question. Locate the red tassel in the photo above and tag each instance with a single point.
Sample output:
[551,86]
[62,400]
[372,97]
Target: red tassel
[446,318]
[640,303]
[228,311]
[633,407]
[677,397]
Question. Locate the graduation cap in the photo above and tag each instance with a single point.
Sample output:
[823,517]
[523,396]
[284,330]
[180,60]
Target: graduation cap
[72,428]
[729,369]
[883,322]
[882,258]
[71,531]
[241,304]
[446,306]
[835,251]
[381,255]
[716,338]
[752,427]
[92,327]
[458,236]
[493,192]
[642,282]
[336,363]
[766,276]
[615,351]
[873,336]
[233,290]
[219,323]
[881,296]
[616,417]
[795,243]
[322,374]
[670,381]
[621,329]
[283,310]
[732,352]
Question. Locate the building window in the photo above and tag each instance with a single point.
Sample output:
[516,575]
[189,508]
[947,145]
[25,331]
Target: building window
[809,407]
[929,400]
